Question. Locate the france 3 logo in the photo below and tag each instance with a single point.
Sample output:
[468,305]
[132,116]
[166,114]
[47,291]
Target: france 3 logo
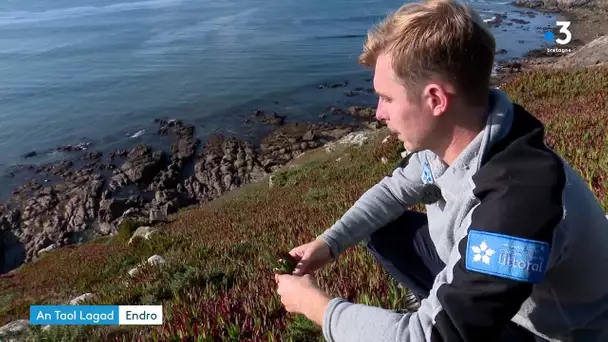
[565,37]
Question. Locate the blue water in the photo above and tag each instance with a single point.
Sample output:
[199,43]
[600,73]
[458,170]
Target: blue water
[104,69]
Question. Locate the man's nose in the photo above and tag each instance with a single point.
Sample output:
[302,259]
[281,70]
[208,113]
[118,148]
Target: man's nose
[379,112]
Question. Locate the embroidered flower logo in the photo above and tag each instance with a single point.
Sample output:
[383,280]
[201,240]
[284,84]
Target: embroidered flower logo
[482,252]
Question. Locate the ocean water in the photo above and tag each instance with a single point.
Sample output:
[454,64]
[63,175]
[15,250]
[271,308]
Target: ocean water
[103,70]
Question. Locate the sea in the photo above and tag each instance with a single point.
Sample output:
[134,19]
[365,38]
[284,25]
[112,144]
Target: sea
[100,71]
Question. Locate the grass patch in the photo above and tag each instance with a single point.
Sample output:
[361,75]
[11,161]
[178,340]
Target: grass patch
[217,284]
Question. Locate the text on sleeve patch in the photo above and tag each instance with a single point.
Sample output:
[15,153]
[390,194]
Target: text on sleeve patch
[507,256]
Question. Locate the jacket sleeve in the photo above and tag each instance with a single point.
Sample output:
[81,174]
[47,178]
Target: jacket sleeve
[502,252]
[381,204]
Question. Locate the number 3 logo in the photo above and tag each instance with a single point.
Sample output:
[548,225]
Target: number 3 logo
[564,29]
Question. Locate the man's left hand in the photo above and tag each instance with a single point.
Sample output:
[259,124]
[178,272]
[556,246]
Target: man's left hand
[302,295]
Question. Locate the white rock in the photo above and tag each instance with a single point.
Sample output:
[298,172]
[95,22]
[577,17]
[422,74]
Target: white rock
[134,272]
[404,154]
[81,298]
[352,139]
[388,137]
[384,160]
[46,327]
[129,212]
[156,260]
[145,232]
[271,181]
[355,138]
[47,249]
[14,330]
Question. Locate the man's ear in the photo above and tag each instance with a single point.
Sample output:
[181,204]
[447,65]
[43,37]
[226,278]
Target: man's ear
[436,97]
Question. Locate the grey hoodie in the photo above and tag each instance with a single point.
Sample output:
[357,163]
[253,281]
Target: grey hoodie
[523,237]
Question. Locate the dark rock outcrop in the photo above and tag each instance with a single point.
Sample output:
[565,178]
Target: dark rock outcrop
[141,167]
[81,202]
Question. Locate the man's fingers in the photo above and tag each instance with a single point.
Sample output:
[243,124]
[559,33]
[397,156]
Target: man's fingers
[300,268]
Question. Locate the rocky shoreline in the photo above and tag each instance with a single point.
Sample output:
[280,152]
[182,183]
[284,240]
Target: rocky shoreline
[91,195]
[73,201]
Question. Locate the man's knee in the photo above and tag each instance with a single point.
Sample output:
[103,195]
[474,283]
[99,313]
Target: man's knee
[396,233]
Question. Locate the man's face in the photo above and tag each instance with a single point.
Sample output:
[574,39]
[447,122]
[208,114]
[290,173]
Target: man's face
[411,121]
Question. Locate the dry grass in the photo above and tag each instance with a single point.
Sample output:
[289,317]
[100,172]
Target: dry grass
[218,285]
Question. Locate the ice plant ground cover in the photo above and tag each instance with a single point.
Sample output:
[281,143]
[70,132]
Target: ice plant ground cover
[218,283]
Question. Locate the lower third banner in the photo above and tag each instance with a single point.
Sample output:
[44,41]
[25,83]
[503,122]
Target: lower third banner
[96,314]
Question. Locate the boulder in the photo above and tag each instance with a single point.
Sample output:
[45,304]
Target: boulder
[145,232]
[14,331]
[134,272]
[47,249]
[81,299]
[352,139]
[592,54]
[156,260]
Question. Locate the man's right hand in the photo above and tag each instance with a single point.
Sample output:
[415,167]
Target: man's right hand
[311,257]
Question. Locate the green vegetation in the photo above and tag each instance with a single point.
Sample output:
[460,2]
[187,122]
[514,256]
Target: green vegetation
[217,283]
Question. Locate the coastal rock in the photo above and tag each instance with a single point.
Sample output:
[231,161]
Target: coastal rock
[271,119]
[61,169]
[141,167]
[79,203]
[112,211]
[496,20]
[365,113]
[83,146]
[185,145]
[12,248]
[288,142]
[111,208]
[10,220]
[14,331]
[519,21]
[92,156]
[29,155]
[528,3]
[225,164]
[168,178]
[572,3]
[119,153]
[592,54]
[340,85]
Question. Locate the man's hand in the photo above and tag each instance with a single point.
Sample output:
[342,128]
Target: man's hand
[302,295]
[311,257]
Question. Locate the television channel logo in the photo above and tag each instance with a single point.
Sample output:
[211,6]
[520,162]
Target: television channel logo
[561,40]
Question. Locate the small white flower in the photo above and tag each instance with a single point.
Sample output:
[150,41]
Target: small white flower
[482,252]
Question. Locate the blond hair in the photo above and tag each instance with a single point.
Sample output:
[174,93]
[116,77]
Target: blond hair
[437,38]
